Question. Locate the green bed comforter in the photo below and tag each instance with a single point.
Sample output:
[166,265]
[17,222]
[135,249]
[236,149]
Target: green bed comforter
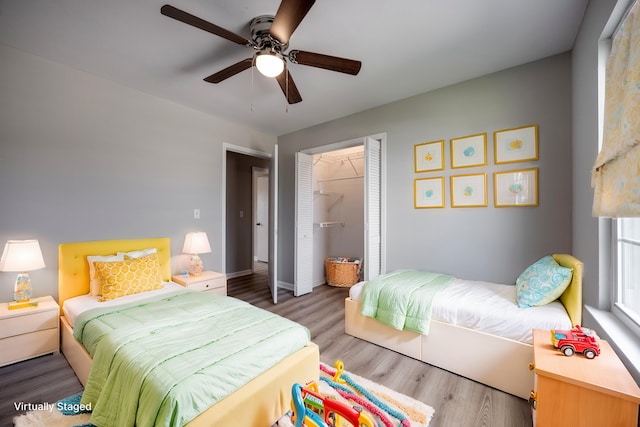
[162,362]
[403,299]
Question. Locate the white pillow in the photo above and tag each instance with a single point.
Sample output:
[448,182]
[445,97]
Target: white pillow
[94,281]
[138,254]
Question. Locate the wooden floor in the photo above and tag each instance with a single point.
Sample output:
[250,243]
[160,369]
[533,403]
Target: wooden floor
[457,401]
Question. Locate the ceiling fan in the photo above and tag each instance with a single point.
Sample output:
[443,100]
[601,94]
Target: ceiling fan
[270,39]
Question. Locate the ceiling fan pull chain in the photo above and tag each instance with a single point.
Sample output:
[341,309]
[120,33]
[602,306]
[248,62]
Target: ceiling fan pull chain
[286,84]
[251,104]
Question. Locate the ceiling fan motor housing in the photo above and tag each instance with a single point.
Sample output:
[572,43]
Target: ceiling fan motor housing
[260,27]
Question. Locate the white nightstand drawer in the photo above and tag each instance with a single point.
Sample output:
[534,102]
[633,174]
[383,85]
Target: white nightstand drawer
[219,291]
[208,281]
[207,285]
[26,346]
[24,324]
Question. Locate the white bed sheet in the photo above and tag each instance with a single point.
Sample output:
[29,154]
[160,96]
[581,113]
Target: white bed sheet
[491,308]
[76,305]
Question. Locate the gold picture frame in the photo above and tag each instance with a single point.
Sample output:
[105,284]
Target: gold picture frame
[469,191]
[516,188]
[428,193]
[516,144]
[469,151]
[428,156]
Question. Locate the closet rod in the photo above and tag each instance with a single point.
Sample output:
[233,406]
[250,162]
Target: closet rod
[339,179]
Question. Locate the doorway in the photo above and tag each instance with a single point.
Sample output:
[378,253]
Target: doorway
[260,213]
[242,168]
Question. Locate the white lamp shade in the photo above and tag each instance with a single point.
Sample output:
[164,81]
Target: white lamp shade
[21,255]
[196,243]
[269,64]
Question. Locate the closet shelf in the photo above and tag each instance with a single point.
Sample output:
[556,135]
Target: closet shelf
[330,224]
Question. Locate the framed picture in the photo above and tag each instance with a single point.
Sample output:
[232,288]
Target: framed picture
[429,156]
[469,151]
[516,188]
[428,192]
[469,190]
[516,145]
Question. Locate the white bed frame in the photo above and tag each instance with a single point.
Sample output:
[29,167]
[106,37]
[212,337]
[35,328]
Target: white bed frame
[498,362]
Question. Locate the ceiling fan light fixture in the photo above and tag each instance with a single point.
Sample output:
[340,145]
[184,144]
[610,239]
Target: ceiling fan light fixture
[269,63]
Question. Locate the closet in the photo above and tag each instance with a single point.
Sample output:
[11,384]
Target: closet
[338,207]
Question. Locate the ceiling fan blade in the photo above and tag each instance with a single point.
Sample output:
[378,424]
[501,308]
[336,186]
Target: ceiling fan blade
[288,87]
[230,71]
[194,21]
[333,63]
[288,17]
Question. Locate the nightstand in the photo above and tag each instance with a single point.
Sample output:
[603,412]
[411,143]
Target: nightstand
[576,391]
[29,332]
[209,281]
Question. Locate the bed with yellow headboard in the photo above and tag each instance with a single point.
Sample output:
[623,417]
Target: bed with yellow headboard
[260,402]
[489,359]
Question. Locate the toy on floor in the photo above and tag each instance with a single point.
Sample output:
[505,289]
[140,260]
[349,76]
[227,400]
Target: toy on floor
[576,340]
[311,409]
[346,387]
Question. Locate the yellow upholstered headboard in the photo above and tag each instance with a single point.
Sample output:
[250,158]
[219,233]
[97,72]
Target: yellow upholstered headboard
[572,296]
[73,268]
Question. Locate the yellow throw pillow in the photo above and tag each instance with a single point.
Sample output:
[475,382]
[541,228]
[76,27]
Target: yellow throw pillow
[94,280]
[131,276]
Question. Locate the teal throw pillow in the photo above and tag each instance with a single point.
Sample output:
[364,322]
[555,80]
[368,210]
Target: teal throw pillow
[542,282]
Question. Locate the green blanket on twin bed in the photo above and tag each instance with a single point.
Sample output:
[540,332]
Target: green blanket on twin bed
[163,361]
[403,299]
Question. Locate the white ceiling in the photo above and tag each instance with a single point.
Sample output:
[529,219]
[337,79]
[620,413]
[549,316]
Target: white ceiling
[406,47]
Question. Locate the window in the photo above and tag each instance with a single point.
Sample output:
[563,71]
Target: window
[627,292]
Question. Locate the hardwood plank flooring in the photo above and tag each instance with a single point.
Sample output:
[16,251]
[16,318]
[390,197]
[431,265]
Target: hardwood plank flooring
[457,401]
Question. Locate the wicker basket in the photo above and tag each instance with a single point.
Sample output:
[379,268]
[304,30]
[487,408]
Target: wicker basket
[342,274]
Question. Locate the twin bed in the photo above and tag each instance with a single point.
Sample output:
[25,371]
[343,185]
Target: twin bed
[243,391]
[477,330]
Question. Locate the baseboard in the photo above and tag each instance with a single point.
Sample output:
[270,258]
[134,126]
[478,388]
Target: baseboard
[239,274]
[285,285]
[289,286]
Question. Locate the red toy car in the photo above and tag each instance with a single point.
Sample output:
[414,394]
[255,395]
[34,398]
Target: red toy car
[576,340]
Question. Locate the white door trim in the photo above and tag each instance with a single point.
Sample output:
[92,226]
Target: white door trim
[223,202]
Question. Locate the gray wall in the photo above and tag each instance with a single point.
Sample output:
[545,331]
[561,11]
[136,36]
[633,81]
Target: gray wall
[239,237]
[477,243]
[585,150]
[82,158]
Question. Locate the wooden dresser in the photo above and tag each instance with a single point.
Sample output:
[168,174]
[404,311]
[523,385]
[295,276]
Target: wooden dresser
[576,391]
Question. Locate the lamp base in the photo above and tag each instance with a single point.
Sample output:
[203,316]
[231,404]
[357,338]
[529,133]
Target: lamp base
[195,265]
[13,305]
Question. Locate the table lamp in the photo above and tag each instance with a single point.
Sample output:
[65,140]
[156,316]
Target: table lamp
[22,256]
[196,243]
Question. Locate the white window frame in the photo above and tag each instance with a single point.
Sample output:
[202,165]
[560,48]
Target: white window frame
[627,316]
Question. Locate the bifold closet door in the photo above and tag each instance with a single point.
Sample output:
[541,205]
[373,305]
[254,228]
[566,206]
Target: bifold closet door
[303,262]
[372,209]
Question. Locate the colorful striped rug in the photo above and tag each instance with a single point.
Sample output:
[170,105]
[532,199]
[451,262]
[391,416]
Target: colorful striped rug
[385,407]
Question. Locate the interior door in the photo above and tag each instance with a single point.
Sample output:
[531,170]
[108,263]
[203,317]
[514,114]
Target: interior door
[303,262]
[273,225]
[372,209]
[261,225]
